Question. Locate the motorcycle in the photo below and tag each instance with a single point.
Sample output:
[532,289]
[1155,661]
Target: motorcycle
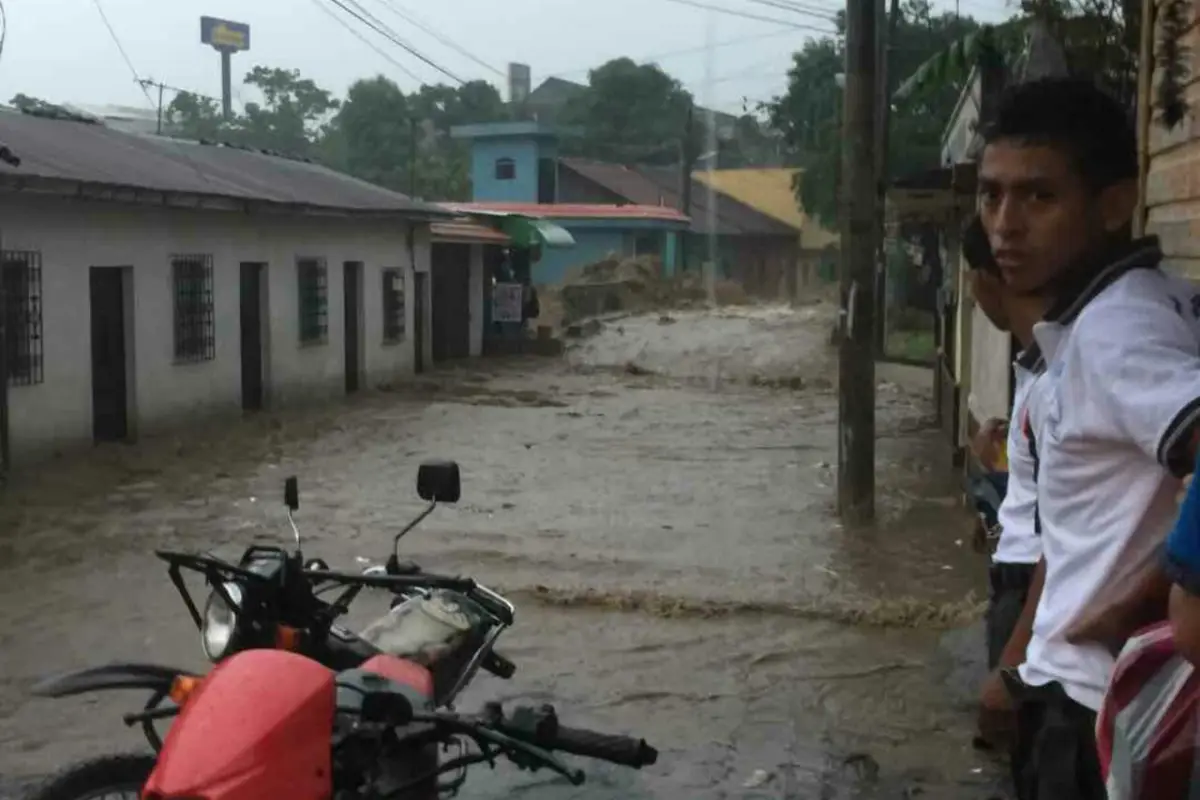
[439,632]
[271,723]
[272,598]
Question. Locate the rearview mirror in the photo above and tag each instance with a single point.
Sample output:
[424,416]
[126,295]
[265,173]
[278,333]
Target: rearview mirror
[291,493]
[439,481]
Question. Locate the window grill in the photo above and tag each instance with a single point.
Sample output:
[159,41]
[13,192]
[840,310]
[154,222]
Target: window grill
[506,169]
[393,305]
[195,337]
[314,300]
[22,317]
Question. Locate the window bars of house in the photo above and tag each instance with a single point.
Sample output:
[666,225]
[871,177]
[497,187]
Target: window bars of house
[195,331]
[314,300]
[22,275]
[393,305]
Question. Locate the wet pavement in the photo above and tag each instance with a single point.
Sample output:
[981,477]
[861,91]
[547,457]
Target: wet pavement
[658,504]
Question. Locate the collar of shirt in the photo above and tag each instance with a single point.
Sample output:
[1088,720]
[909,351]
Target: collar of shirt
[1048,334]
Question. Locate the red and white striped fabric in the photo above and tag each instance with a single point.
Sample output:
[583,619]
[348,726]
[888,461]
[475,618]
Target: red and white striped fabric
[1146,731]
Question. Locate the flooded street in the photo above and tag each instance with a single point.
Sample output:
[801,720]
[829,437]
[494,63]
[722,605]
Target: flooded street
[659,506]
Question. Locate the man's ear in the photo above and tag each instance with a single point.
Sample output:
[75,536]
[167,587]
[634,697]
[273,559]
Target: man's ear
[1117,204]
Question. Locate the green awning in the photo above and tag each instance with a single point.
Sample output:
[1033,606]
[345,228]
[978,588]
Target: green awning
[532,231]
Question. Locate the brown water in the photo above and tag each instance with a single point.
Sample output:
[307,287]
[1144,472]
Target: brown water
[658,505]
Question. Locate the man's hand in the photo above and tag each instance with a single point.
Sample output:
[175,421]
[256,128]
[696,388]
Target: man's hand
[987,442]
[997,720]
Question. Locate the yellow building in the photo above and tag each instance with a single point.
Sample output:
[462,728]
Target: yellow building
[771,191]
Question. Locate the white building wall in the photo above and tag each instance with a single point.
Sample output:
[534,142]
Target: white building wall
[991,369]
[73,236]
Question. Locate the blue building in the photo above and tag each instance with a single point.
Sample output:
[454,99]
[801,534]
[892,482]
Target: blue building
[515,169]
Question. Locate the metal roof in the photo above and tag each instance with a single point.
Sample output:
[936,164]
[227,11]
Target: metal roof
[660,185]
[574,210]
[462,230]
[83,157]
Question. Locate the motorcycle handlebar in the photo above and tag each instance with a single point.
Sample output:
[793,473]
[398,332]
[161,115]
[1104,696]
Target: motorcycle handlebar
[623,750]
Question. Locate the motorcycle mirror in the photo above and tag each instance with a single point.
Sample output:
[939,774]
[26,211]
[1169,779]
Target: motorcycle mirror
[291,493]
[439,482]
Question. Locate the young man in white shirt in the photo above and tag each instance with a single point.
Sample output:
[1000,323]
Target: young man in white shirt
[1019,547]
[1111,418]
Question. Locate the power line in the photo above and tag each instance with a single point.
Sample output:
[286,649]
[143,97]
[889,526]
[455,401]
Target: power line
[747,15]
[404,15]
[796,9]
[689,51]
[367,41]
[117,41]
[4,22]
[391,36]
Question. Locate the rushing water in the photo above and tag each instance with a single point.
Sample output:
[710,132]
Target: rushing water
[658,505]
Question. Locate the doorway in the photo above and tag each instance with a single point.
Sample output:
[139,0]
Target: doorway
[419,282]
[352,294]
[451,301]
[252,335]
[110,378]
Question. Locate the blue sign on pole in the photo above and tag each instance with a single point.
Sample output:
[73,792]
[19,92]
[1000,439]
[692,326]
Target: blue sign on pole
[223,35]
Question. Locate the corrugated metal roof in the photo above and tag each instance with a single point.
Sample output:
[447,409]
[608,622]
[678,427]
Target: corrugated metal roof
[659,186]
[576,210]
[460,230]
[618,178]
[98,156]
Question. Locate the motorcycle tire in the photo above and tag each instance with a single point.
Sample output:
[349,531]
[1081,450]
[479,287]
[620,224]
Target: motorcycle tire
[97,779]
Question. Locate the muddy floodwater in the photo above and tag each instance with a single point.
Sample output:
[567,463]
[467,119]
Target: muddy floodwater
[659,505]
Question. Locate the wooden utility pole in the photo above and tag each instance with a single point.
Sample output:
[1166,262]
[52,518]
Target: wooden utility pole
[856,367]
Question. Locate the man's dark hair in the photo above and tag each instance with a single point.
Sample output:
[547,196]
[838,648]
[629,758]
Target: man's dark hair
[976,248]
[1075,116]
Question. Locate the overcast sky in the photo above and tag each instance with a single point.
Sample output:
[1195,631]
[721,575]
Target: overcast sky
[60,50]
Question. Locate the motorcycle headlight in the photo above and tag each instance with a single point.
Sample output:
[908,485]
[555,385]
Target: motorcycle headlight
[220,622]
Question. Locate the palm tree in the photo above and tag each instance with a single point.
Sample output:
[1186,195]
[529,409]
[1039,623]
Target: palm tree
[1096,37]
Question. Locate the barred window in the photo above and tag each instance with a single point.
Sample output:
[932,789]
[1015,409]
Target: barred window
[506,169]
[22,275]
[393,305]
[195,338]
[314,300]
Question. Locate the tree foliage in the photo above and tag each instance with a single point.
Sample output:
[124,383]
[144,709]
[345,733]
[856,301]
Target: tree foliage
[809,114]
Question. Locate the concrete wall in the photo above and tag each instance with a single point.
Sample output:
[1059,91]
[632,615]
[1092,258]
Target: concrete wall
[523,188]
[1172,183]
[591,245]
[74,236]
[991,369]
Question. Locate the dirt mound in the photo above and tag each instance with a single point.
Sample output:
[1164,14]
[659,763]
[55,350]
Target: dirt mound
[637,284]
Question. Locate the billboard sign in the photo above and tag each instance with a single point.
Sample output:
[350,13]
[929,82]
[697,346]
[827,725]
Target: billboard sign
[223,35]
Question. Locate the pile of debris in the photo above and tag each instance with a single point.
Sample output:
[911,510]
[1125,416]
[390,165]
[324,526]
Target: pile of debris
[631,285]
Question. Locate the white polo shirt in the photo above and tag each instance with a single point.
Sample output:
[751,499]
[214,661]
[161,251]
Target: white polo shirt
[1019,540]
[1121,390]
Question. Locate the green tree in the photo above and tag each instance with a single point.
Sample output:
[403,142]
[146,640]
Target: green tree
[24,102]
[190,116]
[809,114]
[293,116]
[374,131]
[631,113]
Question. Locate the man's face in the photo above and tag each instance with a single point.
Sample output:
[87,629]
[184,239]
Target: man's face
[1040,215]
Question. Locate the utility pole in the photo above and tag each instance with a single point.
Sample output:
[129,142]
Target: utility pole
[146,83]
[412,157]
[856,363]
[886,38]
[687,156]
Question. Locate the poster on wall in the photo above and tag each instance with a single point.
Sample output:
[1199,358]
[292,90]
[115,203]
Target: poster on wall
[506,302]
